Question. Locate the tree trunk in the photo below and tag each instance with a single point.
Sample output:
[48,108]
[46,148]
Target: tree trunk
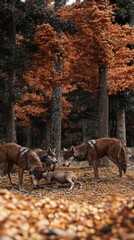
[57,97]
[83,129]
[46,134]
[121,123]
[29,137]
[56,120]
[11,131]
[103,121]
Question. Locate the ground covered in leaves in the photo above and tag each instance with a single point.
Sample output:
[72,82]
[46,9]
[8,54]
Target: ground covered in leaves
[97,211]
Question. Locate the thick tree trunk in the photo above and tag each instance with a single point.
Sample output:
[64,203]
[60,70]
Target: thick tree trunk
[83,129]
[29,137]
[56,120]
[57,97]
[46,134]
[103,121]
[121,124]
[11,131]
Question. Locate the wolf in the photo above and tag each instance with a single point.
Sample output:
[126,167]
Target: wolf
[48,158]
[95,149]
[26,159]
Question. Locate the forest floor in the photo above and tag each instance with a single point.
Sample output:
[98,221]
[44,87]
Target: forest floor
[91,193]
[104,210]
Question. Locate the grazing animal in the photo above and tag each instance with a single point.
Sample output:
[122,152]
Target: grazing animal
[62,176]
[95,149]
[13,154]
[48,158]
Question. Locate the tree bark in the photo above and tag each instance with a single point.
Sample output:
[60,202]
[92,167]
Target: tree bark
[46,134]
[121,123]
[29,137]
[57,97]
[103,120]
[56,120]
[11,131]
[83,129]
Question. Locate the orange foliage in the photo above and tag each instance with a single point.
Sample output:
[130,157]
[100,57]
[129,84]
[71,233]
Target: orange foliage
[96,42]
[43,75]
[30,104]
[50,47]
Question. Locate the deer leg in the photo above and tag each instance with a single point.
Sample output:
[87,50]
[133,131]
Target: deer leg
[72,184]
[120,170]
[7,170]
[77,182]
[10,178]
[95,167]
[116,162]
[21,171]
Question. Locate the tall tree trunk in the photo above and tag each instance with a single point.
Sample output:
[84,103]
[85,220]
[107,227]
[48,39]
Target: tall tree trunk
[103,108]
[83,129]
[103,119]
[29,137]
[46,134]
[121,122]
[56,120]
[57,98]
[11,131]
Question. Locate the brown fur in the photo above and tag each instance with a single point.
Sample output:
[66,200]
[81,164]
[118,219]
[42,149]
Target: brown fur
[24,158]
[93,150]
[62,177]
[48,158]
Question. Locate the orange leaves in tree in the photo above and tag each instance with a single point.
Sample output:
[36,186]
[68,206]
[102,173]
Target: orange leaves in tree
[43,75]
[31,104]
[99,41]
[50,49]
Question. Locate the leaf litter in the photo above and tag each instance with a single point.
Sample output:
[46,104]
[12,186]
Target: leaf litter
[104,210]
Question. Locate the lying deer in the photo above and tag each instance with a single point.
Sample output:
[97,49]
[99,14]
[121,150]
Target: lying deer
[62,177]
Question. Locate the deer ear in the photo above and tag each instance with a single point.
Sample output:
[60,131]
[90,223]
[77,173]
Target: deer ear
[64,149]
